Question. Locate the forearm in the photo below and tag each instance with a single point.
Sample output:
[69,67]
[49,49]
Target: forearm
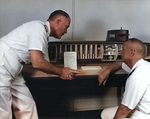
[47,67]
[114,66]
[131,113]
[40,63]
[122,112]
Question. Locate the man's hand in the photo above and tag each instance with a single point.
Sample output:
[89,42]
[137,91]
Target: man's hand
[103,76]
[68,73]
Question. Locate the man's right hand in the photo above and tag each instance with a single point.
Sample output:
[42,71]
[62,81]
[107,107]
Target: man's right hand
[103,76]
[68,74]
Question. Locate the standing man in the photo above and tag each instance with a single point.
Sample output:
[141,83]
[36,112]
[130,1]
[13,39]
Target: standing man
[136,99]
[28,44]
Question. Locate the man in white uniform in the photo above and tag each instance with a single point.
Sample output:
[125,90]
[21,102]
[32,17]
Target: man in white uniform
[136,98]
[28,44]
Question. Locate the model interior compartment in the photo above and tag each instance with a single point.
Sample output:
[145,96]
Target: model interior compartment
[88,50]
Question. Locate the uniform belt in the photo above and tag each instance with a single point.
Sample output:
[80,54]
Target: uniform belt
[4,47]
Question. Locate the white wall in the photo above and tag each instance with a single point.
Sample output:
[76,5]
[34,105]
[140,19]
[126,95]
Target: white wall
[94,17]
[91,19]
[15,12]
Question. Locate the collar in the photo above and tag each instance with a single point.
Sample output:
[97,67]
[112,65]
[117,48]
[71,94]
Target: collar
[48,30]
[137,64]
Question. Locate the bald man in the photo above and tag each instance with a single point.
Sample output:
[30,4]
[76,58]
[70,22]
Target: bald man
[136,98]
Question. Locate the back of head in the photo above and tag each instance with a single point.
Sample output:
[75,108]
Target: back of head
[57,13]
[139,46]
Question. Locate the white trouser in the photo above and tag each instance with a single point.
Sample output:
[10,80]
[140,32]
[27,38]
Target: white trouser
[21,99]
[13,90]
[109,113]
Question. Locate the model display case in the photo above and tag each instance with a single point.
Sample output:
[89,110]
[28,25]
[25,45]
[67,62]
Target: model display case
[88,50]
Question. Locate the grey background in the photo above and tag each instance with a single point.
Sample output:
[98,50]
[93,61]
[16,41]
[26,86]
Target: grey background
[91,19]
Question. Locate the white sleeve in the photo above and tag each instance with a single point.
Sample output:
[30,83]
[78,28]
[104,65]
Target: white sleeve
[37,39]
[134,91]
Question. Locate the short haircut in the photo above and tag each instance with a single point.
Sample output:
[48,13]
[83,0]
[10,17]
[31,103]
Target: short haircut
[56,13]
[141,47]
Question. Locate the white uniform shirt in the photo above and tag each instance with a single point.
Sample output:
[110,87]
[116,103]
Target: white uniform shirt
[29,36]
[137,88]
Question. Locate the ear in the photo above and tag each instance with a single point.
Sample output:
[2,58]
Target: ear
[58,21]
[132,52]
